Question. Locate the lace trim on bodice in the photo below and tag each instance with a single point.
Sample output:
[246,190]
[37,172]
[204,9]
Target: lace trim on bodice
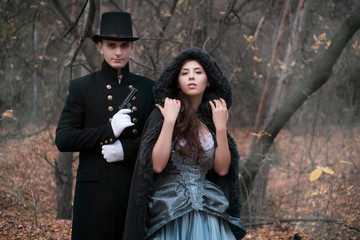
[206,141]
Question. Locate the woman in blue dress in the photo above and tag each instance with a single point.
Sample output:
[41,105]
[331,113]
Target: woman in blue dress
[185,184]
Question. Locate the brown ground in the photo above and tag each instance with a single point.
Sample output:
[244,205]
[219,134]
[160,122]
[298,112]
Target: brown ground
[28,202]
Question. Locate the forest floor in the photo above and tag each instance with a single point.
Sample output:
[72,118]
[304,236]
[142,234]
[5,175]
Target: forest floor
[294,207]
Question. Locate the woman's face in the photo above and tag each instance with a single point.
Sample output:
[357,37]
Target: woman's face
[193,80]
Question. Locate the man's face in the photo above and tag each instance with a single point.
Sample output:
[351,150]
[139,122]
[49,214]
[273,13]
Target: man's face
[116,53]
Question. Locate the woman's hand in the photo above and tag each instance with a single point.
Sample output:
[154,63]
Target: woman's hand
[171,109]
[162,148]
[220,113]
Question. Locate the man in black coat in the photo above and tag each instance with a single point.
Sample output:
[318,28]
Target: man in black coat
[107,139]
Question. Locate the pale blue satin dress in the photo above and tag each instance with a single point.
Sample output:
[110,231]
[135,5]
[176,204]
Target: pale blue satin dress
[184,205]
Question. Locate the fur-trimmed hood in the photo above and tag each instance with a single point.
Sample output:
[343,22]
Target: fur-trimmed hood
[166,85]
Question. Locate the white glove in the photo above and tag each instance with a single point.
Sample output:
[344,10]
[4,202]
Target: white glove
[120,121]
[113,152]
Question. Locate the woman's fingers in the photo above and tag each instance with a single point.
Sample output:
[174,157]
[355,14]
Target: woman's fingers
[219,112]
[171,109]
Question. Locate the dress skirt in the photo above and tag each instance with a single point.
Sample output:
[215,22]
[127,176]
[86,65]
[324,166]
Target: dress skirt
[195,225]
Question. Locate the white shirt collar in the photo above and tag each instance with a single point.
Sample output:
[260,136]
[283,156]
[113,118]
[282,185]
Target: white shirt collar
[119,78]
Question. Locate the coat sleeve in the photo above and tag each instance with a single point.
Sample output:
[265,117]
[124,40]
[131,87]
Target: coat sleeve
[71,135]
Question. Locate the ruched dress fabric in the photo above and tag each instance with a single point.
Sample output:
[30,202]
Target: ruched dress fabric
[185,205]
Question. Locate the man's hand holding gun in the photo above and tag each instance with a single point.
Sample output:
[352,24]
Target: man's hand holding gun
[114,152]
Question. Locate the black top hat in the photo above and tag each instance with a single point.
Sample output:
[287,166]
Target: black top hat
[115,26]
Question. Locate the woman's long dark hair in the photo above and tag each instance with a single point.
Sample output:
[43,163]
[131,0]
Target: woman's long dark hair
[187,128]
[188,123]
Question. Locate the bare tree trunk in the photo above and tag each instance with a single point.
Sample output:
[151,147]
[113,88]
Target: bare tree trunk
[258,195]
[316,79]
[293,47]
[34,112]
[64,184]
[63,167]
[264,95]
[89,49]
[281,90]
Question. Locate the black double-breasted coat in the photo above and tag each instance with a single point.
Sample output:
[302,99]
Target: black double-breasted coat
[102,188]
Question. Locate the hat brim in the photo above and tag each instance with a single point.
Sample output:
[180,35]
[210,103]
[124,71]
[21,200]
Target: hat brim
[98,37]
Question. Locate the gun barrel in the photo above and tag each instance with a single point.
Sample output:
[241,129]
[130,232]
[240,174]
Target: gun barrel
[126,102]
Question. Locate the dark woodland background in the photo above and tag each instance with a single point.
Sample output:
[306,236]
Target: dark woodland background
[295,74]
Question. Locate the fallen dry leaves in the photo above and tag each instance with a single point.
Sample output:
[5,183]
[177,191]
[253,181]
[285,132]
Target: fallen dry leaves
[28,190]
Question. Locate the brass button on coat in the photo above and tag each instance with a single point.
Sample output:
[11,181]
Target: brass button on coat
[108,86]
[134,97]
[110,97]
[110,108]
[110,119]
[134,109]
[134,120]
[131,87]
[134,131]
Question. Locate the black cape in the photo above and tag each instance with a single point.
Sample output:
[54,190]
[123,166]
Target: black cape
[143,176]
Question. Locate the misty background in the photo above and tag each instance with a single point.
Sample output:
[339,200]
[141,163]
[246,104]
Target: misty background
[273,52]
